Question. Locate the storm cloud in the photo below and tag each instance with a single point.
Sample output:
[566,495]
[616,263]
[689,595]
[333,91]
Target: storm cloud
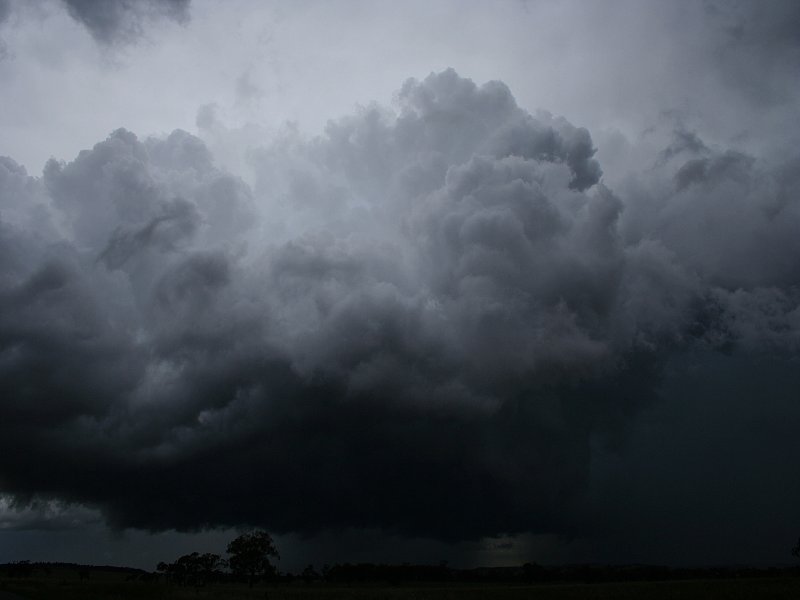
[425,320]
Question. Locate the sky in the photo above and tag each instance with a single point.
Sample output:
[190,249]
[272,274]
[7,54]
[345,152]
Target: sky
[400,282]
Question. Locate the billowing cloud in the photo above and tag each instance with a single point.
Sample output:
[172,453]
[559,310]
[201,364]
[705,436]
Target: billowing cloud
[424,321]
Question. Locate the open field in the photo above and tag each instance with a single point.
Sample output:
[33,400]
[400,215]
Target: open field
[115,587]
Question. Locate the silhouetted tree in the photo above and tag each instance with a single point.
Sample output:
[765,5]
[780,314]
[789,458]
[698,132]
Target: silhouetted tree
[193,569]
[164,569]
[250,554]
[184,571]
[210,566]
[309,574]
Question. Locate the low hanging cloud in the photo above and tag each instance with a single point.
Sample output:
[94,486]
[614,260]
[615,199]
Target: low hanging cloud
[421,321]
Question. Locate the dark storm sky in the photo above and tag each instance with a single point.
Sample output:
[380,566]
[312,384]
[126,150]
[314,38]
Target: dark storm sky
[335,271]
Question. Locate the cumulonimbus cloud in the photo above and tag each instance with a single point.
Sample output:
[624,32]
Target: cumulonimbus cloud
[420,321]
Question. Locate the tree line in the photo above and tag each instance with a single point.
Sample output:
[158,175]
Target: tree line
[249,560]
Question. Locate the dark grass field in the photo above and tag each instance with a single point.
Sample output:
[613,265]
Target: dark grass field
[114,586]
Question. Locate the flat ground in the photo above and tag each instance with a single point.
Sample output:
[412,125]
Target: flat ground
[112,588]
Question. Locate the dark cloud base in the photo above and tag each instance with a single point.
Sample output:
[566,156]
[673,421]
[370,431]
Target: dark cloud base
[424,322]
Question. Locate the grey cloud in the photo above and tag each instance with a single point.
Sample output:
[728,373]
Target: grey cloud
[105,187]
[759,47]
[190,279]
[112,21]
[453,115]
[24,199]
[424,321]
[728,216]
[147,191]
[684,141]
[45,515]
[177,221]
[711,171]
[5,11]
[58,345]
